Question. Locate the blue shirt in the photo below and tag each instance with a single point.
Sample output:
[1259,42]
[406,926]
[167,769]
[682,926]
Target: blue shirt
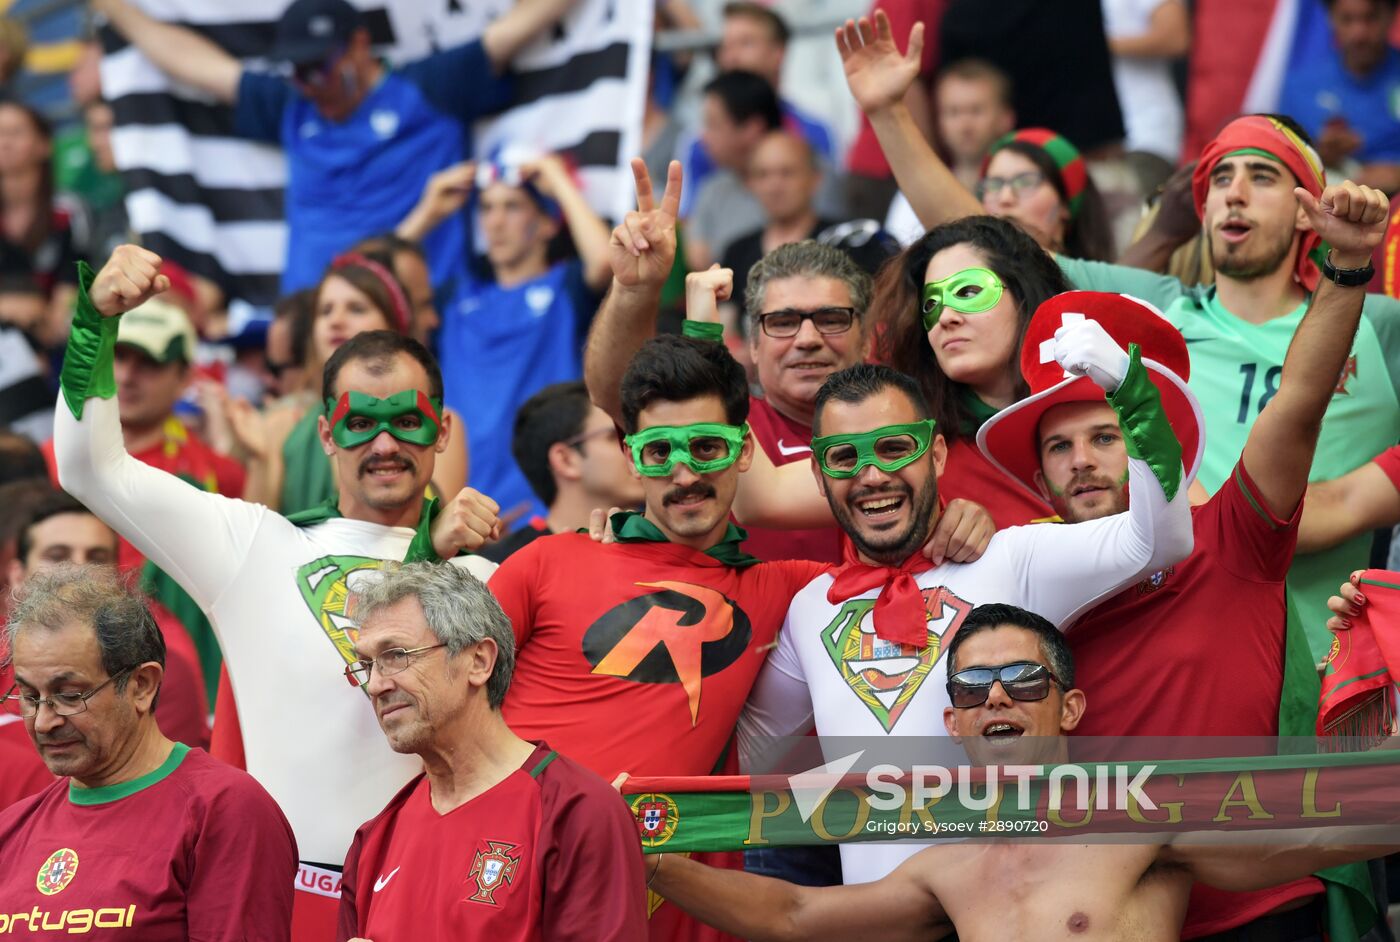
[351,179]
[1318,88]
[696,164]
[498,347]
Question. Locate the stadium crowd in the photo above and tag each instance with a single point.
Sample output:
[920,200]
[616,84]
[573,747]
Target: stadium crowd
[1020,418]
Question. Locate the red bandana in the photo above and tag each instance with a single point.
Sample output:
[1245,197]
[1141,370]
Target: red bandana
[899,614]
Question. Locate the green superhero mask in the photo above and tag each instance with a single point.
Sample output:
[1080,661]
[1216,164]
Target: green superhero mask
[888,448]
[703,448]
[971,291]
[410,416]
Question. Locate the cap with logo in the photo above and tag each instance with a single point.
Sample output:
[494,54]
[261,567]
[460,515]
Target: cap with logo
[312,31]
[160,330]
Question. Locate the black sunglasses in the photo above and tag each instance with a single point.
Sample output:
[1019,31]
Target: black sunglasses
[1023,680]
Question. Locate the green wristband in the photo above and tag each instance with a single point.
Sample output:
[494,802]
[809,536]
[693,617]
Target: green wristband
[87,361]
[703,330]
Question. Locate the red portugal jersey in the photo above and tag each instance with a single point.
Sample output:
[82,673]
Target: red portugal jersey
[969,475]
[638,657]
[24,773]
[785,441]
[1215,625]
[192,851]
[548,854]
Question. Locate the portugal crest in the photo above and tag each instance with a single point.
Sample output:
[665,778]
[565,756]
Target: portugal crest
[883,675]
[493,867]
[657,817]
[57,872]
[327,586]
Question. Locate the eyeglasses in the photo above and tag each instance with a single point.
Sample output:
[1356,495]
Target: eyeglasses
[1023,680]
[827,320]
[62,704]
[576,441]
[888,448]
[1021,184]
[389,662]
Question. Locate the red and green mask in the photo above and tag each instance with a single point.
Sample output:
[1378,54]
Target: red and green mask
[410,416]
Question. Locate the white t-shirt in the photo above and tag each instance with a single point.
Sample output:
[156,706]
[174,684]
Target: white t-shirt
[275,595]
[1152,110]
[830,668]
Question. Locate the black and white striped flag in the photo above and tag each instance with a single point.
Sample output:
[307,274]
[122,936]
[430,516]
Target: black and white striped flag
[213,202]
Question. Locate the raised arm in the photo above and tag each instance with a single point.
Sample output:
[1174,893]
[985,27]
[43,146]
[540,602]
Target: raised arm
[586,228]
[1367,498]
[446,192]
[879,77]
[900,907]
[1279,450]
[197,537]
[522,23]
[641,252]
[182,54]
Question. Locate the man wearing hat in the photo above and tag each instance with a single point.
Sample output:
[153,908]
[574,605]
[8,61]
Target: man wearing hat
[361,139]
[861,651]
[1204,678]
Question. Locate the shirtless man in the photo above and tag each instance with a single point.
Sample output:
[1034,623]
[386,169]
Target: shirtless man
[998,891]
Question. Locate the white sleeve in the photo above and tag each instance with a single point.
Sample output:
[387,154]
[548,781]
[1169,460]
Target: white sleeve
[780,703]
[199,538]
[479,566]
[1065,569]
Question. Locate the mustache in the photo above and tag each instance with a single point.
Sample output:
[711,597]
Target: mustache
[1090,480]
[398,463]
[893,488]
[698,489]
[55,739]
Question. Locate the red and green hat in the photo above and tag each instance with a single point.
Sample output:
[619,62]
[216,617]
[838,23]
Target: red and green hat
[1066,156]
[1011,438]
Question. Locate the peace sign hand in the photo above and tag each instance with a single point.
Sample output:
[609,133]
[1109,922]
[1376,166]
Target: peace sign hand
[643,248]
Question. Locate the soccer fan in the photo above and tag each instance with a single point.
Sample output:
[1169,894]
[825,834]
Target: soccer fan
[1358,502]
[1264,251]
[884,617]
[805,308]
[972,111]
[783,176]
[383,429]
[1243,546]
[361,139]
[57,531]
[1343,94]
[754,38]
[543,846]
[521,328]
[1007,667]
[567,449]
[141,834]
[738,110]
[409,263]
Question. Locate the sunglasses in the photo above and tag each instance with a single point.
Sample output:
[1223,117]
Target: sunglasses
[316,73]
[1024,680]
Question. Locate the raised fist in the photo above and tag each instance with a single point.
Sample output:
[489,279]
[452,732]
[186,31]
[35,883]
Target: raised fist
[130,278]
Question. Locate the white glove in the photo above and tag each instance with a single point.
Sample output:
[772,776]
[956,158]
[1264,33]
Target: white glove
[1084,348]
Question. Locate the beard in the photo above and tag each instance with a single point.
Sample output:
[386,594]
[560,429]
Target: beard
[1112,500]
[892,547]
[1247,263]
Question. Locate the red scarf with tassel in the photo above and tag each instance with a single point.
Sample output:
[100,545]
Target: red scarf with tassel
[1358,686]
[899,613]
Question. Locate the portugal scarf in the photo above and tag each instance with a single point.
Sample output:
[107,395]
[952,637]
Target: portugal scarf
[1358,685]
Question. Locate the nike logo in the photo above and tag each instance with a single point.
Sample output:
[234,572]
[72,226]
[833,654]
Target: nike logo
[384,881]
[785,449]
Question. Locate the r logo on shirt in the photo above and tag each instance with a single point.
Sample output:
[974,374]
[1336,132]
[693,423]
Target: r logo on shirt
[493,868]
[885,675]
[680,633]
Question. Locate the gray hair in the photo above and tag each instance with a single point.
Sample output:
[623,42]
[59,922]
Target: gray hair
[55,597]
[807,259]
[458,608]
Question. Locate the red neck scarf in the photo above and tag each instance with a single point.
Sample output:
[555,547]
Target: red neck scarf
[899,615]
[1256,132]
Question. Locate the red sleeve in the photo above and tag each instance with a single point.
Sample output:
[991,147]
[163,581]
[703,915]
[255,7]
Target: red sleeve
[513,586]
[348,920]
[1389,462]
[1248,539]
[183,711]
[594,888]
[229,475]
[244,853]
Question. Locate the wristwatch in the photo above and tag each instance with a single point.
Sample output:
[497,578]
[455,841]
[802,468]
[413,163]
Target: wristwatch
[1347,277]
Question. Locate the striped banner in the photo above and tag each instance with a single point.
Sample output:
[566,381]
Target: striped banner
[213,202]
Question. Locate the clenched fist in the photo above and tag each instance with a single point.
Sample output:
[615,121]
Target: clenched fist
[466,522]
[130,278]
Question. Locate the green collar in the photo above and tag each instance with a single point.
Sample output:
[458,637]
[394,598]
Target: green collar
[419,550]
[978,412]
[110,793]
[631,527]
